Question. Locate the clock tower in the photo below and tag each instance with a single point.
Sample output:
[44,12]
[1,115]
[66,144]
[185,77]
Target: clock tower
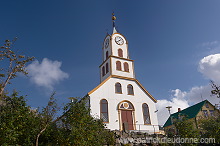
[115,56]
[120,100]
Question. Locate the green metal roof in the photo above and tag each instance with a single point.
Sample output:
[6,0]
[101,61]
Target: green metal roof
[190,112]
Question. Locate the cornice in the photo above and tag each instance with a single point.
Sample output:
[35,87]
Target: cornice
[122,58]
[114,57]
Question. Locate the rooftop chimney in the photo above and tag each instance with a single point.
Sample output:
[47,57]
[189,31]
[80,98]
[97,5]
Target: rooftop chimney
[179,109]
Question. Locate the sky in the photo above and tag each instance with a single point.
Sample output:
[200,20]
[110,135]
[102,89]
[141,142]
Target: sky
[175,45]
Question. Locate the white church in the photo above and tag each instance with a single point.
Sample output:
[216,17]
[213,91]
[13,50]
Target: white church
[120,99]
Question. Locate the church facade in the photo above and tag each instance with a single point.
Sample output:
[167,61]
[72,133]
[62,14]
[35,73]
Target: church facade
[120,99]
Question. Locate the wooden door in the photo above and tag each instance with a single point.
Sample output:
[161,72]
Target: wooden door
[127,119]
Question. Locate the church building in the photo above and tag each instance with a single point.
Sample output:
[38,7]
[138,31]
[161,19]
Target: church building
[120,99]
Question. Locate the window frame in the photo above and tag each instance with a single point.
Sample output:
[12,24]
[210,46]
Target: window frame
[130,88]
[126,67]
[106,68]
[118,65]
[146,116]
[116,88]
[205,113]
[207,105]
[103,71]
[106,55]
[120,53]
[101,111]
[212,113]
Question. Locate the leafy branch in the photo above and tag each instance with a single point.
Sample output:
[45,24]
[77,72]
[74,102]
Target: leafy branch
[16,63]
[216,89]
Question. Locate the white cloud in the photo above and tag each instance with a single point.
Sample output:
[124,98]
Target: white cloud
[212,47]
[177,101]
[47,73]
[210,44]
[209,66]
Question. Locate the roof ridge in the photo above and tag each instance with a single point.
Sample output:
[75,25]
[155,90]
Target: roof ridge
[190,107]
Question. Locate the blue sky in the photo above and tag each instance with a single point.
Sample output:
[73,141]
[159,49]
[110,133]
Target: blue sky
[168,40]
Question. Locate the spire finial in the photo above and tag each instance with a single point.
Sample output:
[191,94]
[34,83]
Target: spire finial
[113,20]
[113,17]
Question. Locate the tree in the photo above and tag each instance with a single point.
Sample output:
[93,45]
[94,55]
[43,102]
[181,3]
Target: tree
[15,64]
[210,128]
[18,122]
[186,128]
[21,125]
[78,127]
[47,116]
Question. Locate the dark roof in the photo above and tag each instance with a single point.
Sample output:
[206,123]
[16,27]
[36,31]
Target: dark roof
[190,112]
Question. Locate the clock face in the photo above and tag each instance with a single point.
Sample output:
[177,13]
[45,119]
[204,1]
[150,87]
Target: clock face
[119,40]
[106,43]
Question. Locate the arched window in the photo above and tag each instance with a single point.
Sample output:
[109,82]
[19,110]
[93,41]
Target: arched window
[106,54]
[118,88]
[120,53]
[103,70]
[104,110]
[106,66]
[118,65]
[126,68]
[130,89]
[146,114]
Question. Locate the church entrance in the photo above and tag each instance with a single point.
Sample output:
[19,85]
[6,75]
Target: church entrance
[126,111]
[127,120]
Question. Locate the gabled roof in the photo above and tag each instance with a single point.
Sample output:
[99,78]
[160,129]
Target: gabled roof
[190,112]
[126,78]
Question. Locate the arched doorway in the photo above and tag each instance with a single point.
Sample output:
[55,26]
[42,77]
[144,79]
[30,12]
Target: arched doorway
[126,115]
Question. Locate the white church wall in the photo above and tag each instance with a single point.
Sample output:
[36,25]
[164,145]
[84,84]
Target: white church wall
[107,91]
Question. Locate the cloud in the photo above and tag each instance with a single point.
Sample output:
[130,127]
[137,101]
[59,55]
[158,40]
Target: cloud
[184,99]
[209,66]
[177,101]
[211,44]
[47,73]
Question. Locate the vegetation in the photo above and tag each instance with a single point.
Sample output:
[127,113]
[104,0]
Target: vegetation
[21,125]
[17,121]
[215,89]
[13,64]
[210,128]
[186,128]
[77,127]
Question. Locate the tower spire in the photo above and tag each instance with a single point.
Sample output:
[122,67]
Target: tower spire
[113,20]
